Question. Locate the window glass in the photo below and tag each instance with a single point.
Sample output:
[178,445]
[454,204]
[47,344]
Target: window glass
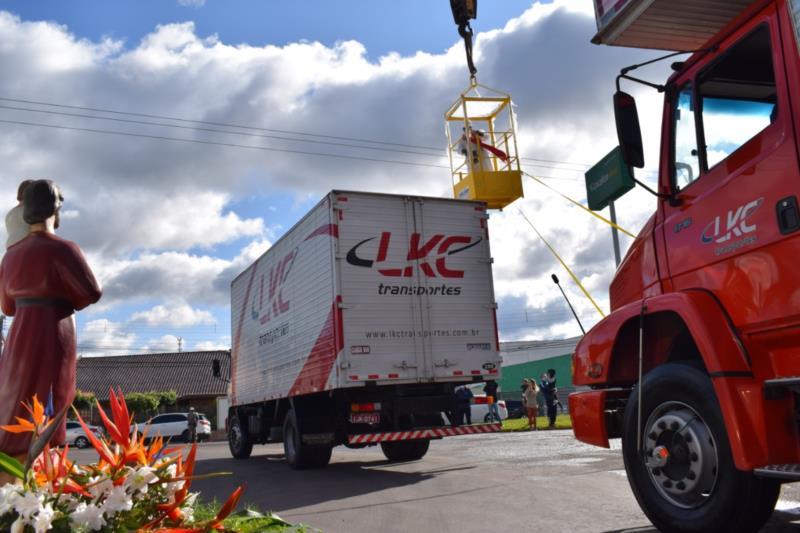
[687,164]
[738,96]
[73,425]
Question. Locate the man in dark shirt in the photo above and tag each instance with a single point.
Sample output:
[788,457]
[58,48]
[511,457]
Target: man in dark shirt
[491,396]
[192,420]
[548,386]
[463,407]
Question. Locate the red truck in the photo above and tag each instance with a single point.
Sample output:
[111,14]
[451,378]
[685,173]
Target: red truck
[697,367]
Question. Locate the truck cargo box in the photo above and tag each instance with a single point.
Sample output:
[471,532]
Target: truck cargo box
[367,289]
[680,25]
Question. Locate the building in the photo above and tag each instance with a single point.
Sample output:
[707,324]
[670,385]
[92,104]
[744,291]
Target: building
[189,374]
[530,359]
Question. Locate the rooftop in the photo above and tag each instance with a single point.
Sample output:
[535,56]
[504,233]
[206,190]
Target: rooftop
[187,373]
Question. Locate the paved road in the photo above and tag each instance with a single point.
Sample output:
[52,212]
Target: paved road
[542,481]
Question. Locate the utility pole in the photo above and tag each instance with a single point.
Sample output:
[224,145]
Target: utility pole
[180,344]
[614,232]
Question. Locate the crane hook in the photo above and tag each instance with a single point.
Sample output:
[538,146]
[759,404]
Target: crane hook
[463,11]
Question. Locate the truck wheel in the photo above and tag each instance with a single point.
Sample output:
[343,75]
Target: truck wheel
[405,450]
[239,440]
[298,454]
[684,477]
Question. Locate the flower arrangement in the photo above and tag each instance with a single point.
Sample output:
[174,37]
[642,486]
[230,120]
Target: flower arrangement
[133,486]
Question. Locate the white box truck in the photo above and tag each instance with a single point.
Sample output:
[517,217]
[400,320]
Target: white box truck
[357,325]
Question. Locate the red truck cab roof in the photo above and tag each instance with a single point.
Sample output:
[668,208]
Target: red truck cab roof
[680,25]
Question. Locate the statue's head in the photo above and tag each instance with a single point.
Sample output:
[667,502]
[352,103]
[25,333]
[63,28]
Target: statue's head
[41,200]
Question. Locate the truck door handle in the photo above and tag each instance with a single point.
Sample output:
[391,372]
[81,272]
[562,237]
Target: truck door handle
[445,364]
[788,215]
[405,366]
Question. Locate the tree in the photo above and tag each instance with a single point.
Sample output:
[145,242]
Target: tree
[142,403]
[83,400]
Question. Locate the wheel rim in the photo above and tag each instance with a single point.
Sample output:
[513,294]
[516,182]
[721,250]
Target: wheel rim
[680,455]
[81,442]
[235,435]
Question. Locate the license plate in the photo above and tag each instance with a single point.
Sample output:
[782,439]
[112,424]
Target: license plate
[365,418]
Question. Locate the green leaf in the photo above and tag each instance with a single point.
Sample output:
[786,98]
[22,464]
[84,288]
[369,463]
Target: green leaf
[11,466]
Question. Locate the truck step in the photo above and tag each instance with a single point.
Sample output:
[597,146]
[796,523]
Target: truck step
[787,472]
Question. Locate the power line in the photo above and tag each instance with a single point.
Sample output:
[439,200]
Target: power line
[253,128]
[218,143]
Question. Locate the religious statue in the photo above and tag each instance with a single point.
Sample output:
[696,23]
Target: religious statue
[44,279]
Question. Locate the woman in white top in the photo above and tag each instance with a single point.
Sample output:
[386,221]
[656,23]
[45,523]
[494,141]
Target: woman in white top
[529,399]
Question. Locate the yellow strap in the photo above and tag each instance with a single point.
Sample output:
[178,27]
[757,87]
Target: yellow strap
[601,217]
[572,274]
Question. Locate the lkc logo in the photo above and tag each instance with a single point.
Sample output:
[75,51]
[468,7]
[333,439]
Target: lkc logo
[275,304]
[736,223]
[436,249]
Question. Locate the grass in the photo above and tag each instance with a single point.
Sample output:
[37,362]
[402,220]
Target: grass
[521,424]
[248,520]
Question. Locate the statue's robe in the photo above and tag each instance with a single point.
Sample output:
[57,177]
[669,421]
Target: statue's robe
[44,279]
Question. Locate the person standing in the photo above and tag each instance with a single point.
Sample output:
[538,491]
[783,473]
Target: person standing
[548,385]
[529,399]
[464,405]
[192,421]
[490,389]
[16,227]
[44,279]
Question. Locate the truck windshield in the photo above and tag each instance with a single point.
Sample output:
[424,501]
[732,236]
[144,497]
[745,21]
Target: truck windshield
[737,96]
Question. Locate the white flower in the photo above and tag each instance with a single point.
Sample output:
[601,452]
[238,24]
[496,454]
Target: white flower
[101,487]
[90,516]
[138,480]
[28,503]
[117,500]
[175,486]
[188,507]
[8,495]
[44,519]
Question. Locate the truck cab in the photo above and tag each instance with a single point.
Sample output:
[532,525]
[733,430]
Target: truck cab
[697,367]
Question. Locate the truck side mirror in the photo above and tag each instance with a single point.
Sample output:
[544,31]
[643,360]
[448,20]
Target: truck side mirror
[628,131]
[216,369]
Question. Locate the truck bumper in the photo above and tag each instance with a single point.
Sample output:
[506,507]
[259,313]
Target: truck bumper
[419,434]
[587,411]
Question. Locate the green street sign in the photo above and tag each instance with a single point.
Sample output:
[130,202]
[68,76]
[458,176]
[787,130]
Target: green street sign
[608,180]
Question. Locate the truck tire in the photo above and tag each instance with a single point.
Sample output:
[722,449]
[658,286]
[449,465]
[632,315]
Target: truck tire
[684,478]
[239,440]
[405,450]
[301,455]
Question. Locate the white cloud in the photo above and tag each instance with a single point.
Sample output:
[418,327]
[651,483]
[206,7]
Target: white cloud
[104,337]
[192,3]
[146,206]
[179,315]
[213,345]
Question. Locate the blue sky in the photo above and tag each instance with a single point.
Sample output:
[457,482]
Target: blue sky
[167,224]
[382,26]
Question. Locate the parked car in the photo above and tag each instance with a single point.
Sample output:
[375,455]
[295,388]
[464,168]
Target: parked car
[515,408]
[175,425]
[480,409]
[76,435]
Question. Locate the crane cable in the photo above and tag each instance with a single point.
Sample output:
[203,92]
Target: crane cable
[463,11]
[601,217]
[569,270]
